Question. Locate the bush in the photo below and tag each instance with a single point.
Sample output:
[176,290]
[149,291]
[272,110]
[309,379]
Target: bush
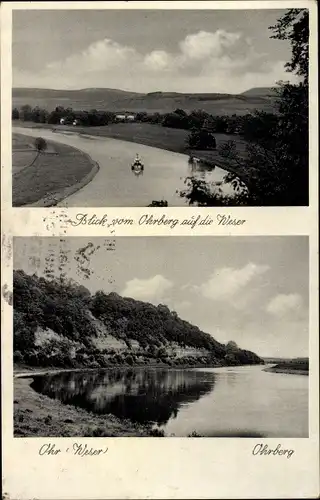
[40,144]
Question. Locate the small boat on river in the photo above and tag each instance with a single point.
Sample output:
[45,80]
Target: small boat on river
[137,165]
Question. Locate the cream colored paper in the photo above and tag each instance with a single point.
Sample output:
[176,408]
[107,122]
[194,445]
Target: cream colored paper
[151,467]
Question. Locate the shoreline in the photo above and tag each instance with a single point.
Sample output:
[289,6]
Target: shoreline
[33,372]
[286,371]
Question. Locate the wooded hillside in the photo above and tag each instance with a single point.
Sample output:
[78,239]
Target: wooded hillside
[59,323]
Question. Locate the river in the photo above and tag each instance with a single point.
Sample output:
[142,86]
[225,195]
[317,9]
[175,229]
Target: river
[218,402]
[115,184]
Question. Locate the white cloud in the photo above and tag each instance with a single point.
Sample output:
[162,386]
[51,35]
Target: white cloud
[227,282]
[158,60]
[203,62]
[204,45]
[101,55]
[283,304]
[152,289]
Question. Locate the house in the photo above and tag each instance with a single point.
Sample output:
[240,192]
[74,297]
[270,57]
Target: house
[120,118]
[125,118]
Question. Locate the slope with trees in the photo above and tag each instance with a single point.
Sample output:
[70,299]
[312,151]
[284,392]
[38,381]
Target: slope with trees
[58,323]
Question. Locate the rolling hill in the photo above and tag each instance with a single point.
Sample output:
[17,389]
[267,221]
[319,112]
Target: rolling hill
[163,102]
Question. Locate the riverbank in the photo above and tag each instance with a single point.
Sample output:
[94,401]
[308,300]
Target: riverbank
[290,368]
[287,370]
[52,177]
[36,415]
[169,139]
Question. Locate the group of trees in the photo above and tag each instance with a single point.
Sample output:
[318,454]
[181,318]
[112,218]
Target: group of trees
[67,310]
[90,118]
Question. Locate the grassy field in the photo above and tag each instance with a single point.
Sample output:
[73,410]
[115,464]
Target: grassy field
[36,415]
[58,168]
[156,136]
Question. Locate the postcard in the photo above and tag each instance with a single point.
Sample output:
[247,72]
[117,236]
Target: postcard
[160,326]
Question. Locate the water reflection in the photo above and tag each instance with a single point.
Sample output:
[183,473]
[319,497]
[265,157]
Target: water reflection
[212,175]
[199,169]
[152,396]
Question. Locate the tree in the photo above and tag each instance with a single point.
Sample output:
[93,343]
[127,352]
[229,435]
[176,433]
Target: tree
[274,168]
[26,113]
[176,120]
[40,145]
[201,139]
[198,118]
[294,26]
[15,114]
[232,346]
[39,115]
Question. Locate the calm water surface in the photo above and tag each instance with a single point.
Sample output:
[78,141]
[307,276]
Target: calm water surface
[116,185]
[237,401]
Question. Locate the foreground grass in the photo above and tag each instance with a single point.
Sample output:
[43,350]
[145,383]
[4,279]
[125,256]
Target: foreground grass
[37,415]
[156,136]
[55,170]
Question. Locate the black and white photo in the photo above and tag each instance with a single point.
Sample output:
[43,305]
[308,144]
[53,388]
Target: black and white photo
[157,336]
[160,107]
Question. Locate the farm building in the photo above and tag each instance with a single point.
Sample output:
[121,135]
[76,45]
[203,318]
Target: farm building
[125,118]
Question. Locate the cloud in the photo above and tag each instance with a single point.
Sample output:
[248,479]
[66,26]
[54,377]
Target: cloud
[283,304]
[152,289]
[204,45]
[219,61]
[158,60]
[101,55]
[227,282]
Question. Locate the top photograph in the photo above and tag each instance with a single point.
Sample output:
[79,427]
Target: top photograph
[160,108]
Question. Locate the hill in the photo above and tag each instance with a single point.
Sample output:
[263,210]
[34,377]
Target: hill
[162,102]
[60,324]
[264,92]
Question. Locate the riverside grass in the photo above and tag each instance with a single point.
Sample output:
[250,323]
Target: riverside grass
[55,170]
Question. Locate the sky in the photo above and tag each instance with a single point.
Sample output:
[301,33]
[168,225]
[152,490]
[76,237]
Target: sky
[146,51]
[253,290]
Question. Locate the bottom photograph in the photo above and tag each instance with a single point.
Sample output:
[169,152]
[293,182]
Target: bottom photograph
[161,336]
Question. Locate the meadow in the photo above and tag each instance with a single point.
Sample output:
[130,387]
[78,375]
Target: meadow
[56,169]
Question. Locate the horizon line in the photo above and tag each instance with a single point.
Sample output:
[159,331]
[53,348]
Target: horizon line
[139,93]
